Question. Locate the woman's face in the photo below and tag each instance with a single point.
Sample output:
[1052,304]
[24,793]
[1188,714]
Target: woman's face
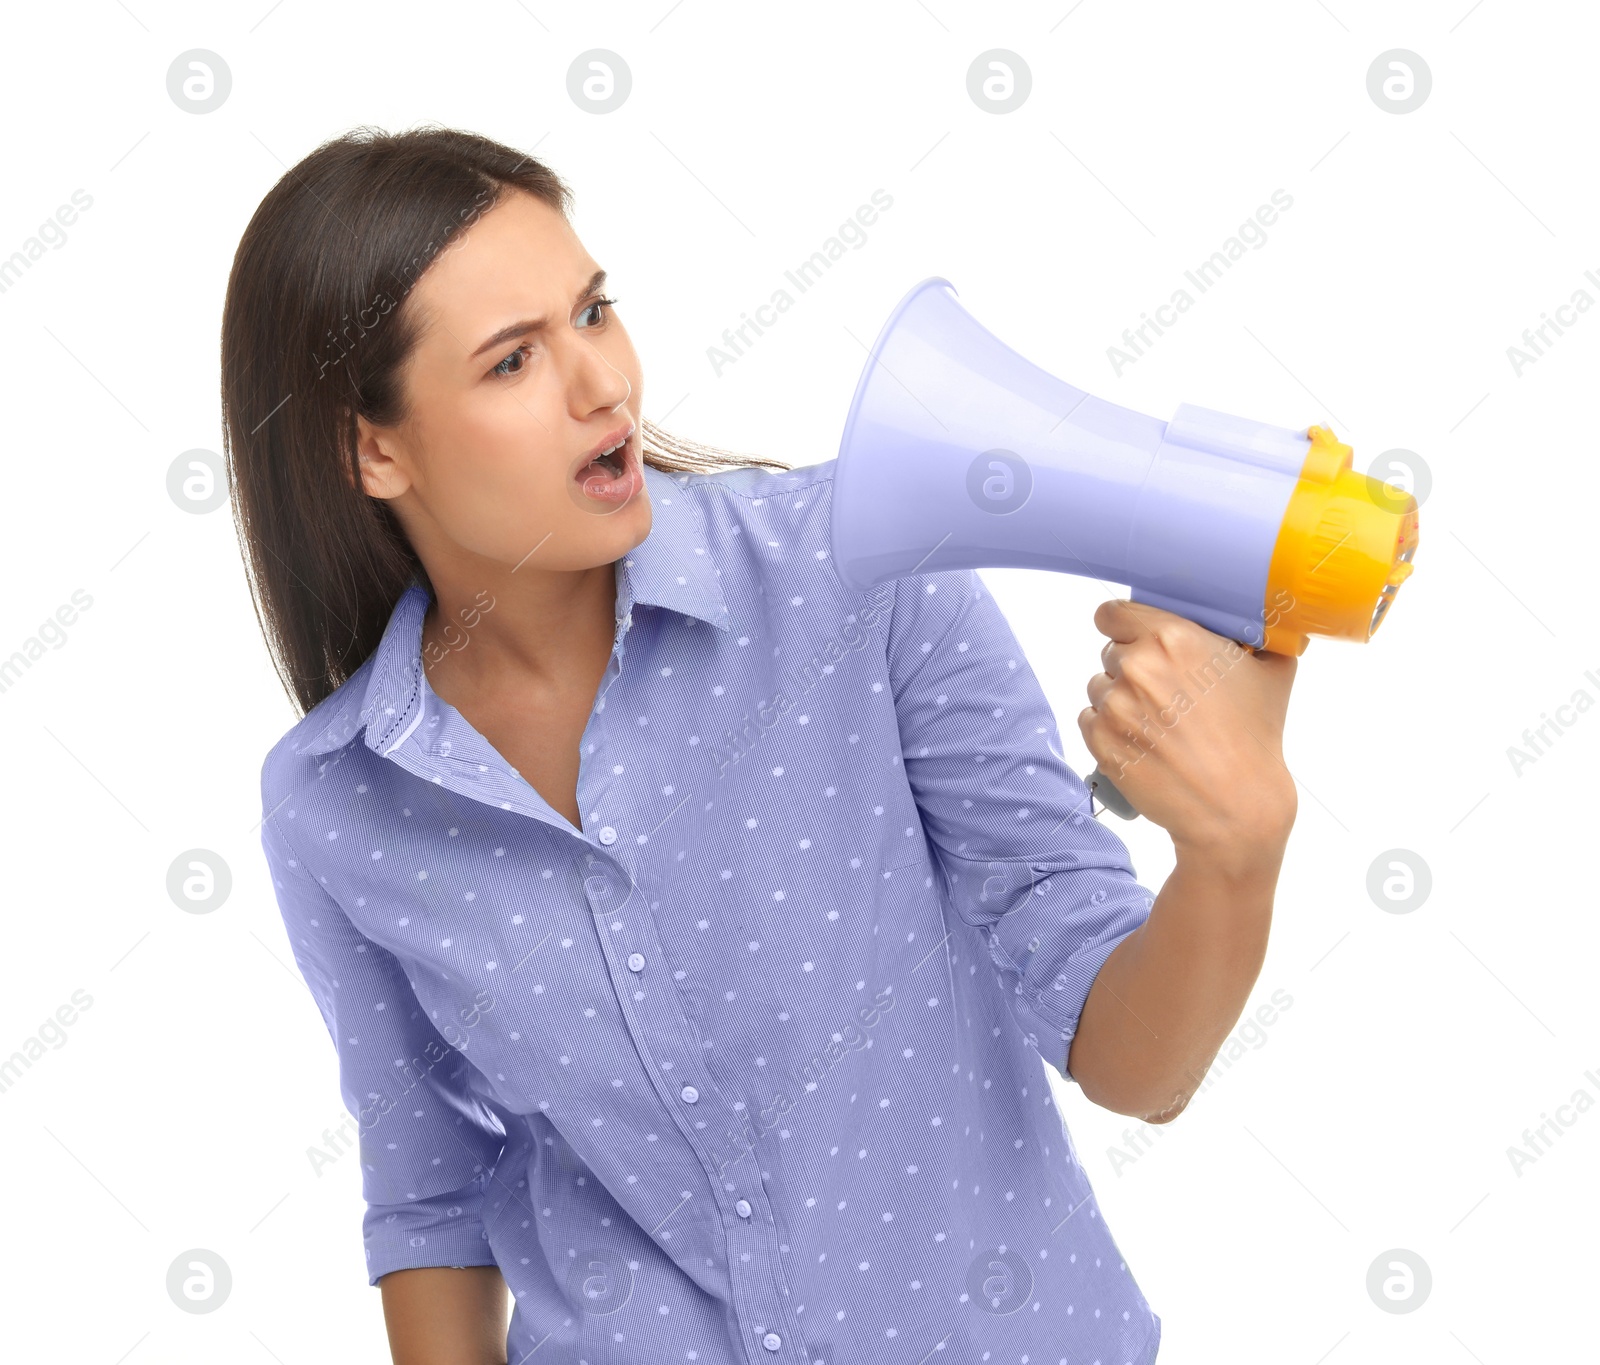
[520,373]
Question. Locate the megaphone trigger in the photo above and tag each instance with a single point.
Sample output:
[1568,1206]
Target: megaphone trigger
[1109,797]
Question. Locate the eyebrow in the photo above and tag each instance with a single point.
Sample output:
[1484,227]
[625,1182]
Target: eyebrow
[597,282]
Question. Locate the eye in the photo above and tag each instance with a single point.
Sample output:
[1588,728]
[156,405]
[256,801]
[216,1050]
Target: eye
[598,303]
[501,369]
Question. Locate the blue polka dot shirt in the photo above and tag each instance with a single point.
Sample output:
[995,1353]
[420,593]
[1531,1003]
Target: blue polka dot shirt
[751,1066]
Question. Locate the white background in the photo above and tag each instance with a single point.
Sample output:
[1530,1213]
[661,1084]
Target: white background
[1377,1111]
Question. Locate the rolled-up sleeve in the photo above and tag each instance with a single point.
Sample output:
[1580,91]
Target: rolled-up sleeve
[427,1144]
[1052,889]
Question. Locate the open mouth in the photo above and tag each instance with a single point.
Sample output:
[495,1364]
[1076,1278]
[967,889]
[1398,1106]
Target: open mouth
[615,477]
[613,464]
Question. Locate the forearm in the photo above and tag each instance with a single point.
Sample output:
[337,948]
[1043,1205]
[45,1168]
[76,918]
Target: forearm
[1165,999]
[442,1315]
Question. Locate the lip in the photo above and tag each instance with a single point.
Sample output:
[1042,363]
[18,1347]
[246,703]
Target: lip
[625,431]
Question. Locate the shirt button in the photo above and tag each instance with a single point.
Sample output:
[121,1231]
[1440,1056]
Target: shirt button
[636,962]
[608,835]
[772,1341]
[742,1208]
[689,1094]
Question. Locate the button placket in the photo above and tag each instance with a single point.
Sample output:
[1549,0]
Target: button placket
[591,743]
[754,1268]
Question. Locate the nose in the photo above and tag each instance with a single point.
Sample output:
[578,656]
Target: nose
[598,381]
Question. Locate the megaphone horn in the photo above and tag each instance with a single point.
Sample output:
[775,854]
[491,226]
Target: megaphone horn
[959,453]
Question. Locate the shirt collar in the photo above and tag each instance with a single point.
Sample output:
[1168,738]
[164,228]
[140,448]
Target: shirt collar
[672,568]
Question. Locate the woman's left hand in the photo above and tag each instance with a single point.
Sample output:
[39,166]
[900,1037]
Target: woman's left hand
[1189,727]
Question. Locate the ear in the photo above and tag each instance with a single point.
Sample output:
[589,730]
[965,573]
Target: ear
[381,475]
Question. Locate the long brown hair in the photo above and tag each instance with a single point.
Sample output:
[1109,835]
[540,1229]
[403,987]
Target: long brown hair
[315,332]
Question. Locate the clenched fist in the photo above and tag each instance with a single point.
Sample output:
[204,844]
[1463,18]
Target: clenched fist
[1188,725]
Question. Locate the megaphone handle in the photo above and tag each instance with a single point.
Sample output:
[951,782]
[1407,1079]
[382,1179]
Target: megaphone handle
[1109,797]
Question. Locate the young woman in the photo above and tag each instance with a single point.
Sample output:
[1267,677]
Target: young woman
[689,927]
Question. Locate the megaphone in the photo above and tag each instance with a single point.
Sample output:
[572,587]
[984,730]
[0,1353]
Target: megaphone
[959,453]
